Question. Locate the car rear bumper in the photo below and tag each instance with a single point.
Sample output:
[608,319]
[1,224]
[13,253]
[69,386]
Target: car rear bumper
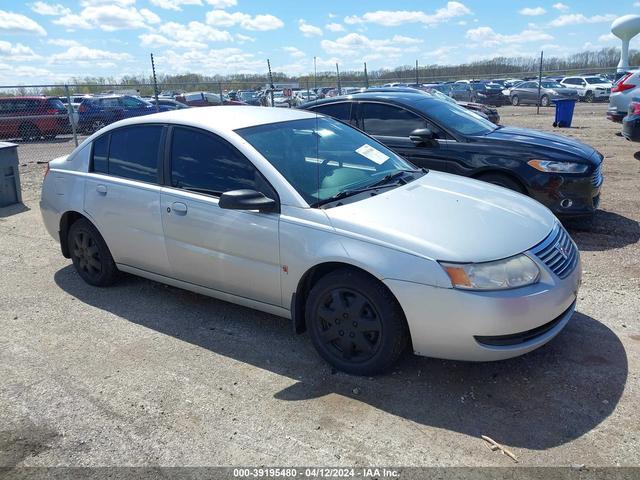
[487,326]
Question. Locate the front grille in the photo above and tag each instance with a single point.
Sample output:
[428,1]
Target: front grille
[558,252]
[597,177]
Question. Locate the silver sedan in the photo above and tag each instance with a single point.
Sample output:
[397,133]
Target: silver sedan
[302,216]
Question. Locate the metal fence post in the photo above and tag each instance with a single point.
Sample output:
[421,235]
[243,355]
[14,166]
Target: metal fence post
[155,83]
[70,113]
[221,96]
[540,82]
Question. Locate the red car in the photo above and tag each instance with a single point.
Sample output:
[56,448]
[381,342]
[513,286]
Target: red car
[205,99]
[33,117]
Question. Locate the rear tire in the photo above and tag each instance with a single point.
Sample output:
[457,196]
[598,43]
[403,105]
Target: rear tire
[355,323]
[90,255]
[503,181]
[515,101]
[544,101]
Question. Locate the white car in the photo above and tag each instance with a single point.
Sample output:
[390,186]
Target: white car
[590,89]
[302,216]
[622,94]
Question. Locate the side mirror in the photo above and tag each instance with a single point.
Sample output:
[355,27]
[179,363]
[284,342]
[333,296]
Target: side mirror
[422,136]
[246,200]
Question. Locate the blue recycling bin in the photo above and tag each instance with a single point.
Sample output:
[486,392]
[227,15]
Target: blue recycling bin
[564,112]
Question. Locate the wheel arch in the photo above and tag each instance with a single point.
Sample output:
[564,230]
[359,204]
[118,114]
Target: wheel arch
[66,220]
[310,278]
[505,173]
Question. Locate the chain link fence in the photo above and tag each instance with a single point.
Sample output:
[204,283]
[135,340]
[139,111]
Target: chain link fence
[48,121]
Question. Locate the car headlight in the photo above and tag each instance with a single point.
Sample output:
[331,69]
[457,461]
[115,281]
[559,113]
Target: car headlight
[513,272]
[558,167]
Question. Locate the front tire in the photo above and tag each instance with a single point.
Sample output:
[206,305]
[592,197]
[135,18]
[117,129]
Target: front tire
[515,101]
[355,323]
[589,97]
[544,101]
[90,255]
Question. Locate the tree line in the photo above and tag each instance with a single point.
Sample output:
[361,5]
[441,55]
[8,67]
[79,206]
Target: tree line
[604,60]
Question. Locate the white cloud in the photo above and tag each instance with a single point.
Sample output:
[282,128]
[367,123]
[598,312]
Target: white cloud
[174,4]
[334,27]
[222,3]
[579,18]
[240,38]
[109,18]
[15,23]
[356,44]
[222,18]
[532,11]
[223,61]
[63,42]
[561,6]
[294,52]
[17,52]
[56,9]
[608,38]
[309,30]
[119,3]
[392,18]
[78,54]
[192,36]
[486,36]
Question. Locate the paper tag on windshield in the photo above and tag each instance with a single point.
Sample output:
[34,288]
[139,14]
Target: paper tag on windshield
[372,154]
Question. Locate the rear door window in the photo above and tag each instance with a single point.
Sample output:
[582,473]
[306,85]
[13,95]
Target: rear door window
[129,152]
[204,163]
[340,111]
[389,120]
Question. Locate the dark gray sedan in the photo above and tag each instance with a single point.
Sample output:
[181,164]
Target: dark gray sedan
[527,93]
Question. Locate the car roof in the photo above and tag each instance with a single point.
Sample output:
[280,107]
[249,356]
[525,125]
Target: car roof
[221,118]
[27,97]
[401,98]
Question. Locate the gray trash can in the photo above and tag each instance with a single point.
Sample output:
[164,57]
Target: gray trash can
[10,192]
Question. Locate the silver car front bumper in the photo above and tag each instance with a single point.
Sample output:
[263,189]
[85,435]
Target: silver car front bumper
[484,326]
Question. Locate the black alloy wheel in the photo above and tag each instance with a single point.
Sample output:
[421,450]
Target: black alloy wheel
[90,255]
[355,322]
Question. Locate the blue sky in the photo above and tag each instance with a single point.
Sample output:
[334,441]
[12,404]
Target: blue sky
[53,40]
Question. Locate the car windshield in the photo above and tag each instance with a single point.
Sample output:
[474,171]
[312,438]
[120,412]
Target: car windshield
[458,119]
[550,85]
[595,80]
[322,157]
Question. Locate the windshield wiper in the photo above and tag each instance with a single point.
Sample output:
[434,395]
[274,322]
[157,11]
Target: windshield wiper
[386,182]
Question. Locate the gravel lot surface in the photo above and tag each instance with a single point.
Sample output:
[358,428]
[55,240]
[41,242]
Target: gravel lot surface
[145,374]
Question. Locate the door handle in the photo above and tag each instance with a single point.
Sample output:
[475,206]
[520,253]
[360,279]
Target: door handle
[101,189]
[179,208]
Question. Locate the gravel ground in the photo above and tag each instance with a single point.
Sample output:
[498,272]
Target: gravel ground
[144,374]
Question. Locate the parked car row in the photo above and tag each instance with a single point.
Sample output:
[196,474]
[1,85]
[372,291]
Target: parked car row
[33,118]
[323,216]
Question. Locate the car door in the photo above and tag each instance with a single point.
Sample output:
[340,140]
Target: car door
[232,251]
[392,125]
[122,195]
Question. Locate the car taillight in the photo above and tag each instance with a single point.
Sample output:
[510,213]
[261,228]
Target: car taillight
[82,108]
[621,86]
[634,108]
[46,170]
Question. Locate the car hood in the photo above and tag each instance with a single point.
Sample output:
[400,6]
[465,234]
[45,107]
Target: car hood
[447,217]
[533,138]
